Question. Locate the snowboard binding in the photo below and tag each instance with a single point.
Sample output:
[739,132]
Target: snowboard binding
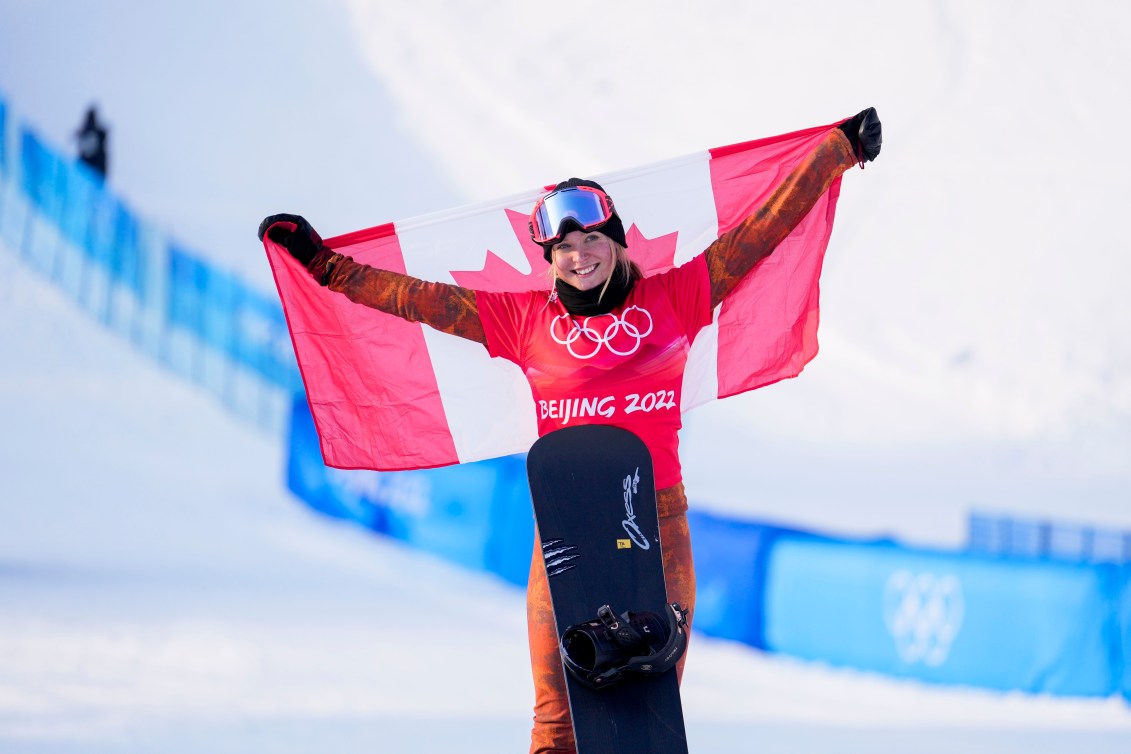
[600,652]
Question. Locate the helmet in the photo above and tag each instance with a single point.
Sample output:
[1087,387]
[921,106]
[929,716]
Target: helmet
[600,652]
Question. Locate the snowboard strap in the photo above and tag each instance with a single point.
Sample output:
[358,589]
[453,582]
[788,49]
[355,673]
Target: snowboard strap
[601,652]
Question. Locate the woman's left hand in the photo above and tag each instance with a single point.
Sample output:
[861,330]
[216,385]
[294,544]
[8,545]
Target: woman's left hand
[865,134]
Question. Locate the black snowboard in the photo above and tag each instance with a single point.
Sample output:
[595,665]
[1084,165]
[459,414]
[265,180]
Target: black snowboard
[595,502]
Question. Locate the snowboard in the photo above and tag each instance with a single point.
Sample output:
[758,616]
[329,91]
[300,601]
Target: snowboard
[594,499]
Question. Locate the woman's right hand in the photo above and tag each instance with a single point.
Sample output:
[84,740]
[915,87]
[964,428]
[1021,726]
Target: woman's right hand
[294,234]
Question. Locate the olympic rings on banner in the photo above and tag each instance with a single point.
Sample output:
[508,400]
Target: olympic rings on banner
[599,336]
[923,612]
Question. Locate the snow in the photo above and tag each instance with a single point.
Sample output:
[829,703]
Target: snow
[160,591]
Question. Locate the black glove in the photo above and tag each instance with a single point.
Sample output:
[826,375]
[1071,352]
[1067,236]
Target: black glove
[864,134]
[302,243]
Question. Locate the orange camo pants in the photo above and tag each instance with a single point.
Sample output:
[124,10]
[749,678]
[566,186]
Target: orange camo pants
[553,728]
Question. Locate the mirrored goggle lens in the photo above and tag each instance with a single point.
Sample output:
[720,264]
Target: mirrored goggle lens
[588,208]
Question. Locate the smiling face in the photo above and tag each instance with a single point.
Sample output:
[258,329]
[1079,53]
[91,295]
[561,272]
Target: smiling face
[585,260]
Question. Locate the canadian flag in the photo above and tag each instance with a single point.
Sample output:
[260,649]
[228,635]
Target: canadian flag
[388,394]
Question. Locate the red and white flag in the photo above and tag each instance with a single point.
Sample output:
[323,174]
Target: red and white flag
[388,394]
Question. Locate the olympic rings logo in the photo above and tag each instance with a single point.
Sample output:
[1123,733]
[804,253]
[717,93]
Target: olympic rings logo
[924,613]
[632,330]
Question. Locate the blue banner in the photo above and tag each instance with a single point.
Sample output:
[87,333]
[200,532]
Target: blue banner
[188,281]
[96,221]
[246,326]
[128,265]
[1123,640]
[3,137]
[476,514]
[39,171]
[264,341]
[114,241]
[81,194]
[1035,626]
[730,568]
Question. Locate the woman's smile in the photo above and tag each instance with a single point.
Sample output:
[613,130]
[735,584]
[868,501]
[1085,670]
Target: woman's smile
[584,260]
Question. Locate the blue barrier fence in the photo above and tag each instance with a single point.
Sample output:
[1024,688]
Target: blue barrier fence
[944,617]
[1015,536]
[192,316]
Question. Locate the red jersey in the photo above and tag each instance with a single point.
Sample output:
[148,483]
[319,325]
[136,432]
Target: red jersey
[624,368]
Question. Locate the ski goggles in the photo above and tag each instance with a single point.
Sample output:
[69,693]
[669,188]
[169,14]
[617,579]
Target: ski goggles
[588,207]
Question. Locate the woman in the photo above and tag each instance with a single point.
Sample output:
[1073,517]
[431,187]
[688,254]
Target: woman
[605,329]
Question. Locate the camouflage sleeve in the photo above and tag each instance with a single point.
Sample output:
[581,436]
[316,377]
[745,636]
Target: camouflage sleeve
[736,252]
[447,308]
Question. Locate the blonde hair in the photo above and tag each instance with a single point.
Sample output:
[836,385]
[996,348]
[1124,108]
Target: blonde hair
[624,263]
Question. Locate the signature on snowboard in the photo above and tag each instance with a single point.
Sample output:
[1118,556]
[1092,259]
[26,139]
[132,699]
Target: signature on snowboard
[631,483]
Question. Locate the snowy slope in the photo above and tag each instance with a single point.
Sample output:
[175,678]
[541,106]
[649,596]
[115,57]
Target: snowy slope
[161,592]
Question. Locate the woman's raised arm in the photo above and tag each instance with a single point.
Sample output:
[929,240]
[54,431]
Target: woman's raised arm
[447,308]
[736,252]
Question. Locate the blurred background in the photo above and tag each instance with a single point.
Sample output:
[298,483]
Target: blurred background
[921,543]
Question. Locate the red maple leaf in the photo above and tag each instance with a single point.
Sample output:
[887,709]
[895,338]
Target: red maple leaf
[652,254]
[498,276]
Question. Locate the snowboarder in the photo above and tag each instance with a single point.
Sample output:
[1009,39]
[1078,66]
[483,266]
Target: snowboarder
[603,326]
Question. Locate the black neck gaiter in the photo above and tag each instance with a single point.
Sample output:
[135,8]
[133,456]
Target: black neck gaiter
[585,303]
